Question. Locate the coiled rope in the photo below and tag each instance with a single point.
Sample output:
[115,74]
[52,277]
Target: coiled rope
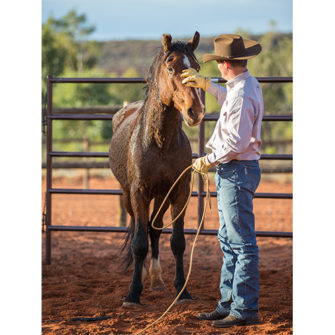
[208,202]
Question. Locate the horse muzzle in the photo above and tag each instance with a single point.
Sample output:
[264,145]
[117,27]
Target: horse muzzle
[192,117]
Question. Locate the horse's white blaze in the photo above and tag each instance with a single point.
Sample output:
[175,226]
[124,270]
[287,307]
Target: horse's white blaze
[197,91]
[186,61]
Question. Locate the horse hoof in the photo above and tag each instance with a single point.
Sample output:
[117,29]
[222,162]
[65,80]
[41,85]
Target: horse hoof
[127,304]
[158,288]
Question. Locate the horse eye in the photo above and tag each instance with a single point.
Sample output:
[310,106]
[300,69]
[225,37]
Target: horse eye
[171,58]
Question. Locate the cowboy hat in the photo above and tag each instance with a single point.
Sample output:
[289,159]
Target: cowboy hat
[233,47]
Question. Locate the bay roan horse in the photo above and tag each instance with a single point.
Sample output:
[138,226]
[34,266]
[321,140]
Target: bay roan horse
[148,151]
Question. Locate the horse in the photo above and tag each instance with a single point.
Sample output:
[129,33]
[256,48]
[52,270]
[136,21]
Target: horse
[147,153]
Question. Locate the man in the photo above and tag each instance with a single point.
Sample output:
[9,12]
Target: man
[235,146]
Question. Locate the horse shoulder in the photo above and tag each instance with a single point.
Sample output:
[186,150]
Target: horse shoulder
[125,112]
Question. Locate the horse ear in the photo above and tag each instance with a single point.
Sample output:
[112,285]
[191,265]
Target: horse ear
[166,42]
[193,42]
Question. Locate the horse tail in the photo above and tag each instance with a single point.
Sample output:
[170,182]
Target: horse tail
[126,247]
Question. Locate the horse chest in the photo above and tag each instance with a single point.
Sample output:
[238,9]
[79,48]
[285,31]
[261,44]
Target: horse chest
[155,176]
[161,183]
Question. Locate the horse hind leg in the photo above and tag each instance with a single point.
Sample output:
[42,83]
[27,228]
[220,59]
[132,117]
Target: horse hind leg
[129,236]
[155,271]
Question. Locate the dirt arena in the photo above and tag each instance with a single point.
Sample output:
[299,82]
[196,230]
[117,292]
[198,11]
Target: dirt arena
[85,278]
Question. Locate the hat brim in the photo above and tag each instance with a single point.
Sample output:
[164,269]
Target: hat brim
[252,49]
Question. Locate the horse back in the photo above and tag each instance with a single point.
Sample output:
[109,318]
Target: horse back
[124,113]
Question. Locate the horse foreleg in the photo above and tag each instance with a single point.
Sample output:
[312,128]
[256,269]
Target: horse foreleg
[177,242]
[139,247]
[127,204]
[155,271]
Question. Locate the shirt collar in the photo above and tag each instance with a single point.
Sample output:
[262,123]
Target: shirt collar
[232,82]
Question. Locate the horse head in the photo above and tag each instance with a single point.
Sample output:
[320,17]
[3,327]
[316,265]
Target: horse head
[176,57]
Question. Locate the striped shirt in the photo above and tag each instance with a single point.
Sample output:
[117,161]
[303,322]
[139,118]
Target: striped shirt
[237,134]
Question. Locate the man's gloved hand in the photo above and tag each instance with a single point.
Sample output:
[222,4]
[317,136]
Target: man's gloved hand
[201,165]
[193,79]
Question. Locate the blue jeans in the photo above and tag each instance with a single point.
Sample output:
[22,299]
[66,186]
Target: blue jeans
[236,183]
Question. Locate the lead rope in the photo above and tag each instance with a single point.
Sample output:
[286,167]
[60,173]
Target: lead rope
[208,202]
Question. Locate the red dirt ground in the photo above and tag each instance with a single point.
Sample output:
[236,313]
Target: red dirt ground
[85,278]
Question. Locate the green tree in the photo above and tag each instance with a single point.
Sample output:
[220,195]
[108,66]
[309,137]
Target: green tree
[64,44]
[83,95]
[54,53]
[65,51]
[129,92]
[126,93]
[82,53]
[275,60]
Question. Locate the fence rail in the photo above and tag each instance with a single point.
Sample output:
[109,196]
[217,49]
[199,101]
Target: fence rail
[54,114]
[166,230]
[105,165]
[54,80]
[208,117]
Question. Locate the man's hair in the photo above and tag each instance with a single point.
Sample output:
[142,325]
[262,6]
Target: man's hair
[236,63]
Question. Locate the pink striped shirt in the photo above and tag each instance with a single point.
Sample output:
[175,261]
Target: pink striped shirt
[237,134]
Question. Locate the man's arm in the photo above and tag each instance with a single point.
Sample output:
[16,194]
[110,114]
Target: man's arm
[218,91]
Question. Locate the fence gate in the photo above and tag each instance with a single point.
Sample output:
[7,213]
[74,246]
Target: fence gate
[200,194]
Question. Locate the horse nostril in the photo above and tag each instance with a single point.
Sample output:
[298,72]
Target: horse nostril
[190,113]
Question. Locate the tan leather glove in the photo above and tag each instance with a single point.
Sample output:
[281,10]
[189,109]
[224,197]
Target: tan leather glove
[193,79]
[201,165]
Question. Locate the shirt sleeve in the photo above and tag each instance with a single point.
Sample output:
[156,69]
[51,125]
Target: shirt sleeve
[218,91]
[240,120]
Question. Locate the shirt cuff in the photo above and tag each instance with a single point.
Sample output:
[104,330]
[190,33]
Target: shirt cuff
[210,159]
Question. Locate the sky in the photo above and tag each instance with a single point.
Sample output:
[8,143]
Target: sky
[149,19]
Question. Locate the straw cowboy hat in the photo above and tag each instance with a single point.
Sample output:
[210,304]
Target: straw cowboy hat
[233,47]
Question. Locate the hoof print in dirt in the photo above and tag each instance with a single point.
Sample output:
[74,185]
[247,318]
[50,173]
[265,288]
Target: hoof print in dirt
[183,301]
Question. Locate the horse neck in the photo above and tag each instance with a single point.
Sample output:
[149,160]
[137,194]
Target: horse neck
[161,122]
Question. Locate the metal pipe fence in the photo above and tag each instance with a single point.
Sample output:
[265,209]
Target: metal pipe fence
[200,194]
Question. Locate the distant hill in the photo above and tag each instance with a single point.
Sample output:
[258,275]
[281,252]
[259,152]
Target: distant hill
[118,56]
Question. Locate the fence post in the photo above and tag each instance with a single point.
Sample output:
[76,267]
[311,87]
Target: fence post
[201,150]
[49,174]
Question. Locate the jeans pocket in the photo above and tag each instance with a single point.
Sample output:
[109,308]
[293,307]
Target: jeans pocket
[252,176]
